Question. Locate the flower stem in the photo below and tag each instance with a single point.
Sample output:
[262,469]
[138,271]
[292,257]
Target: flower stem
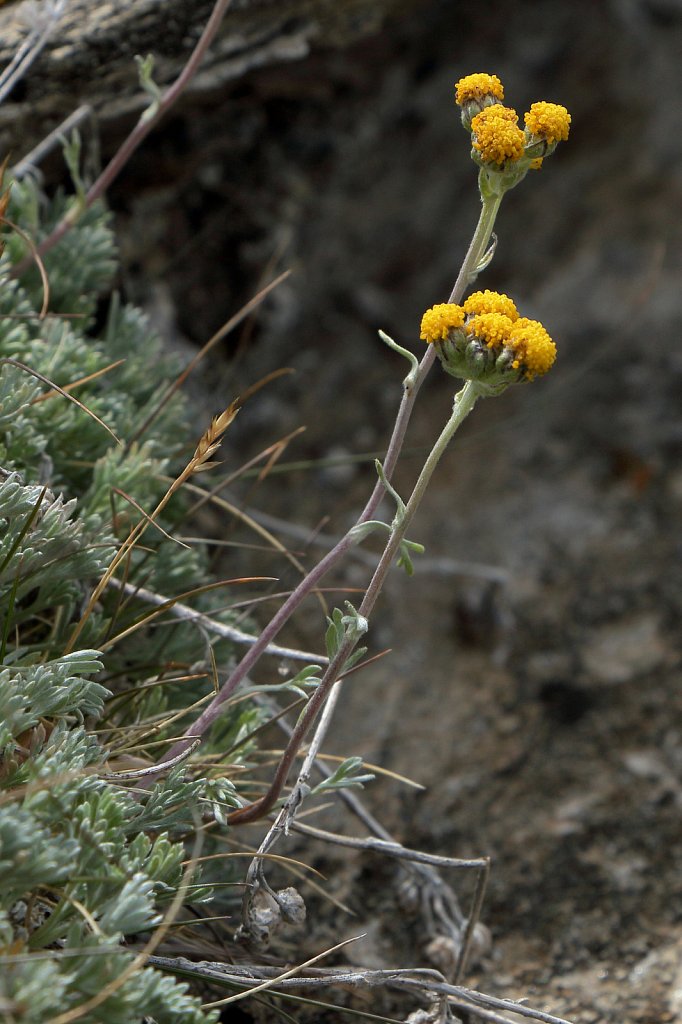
[490,205]
[413,383]
[462,406]
[465,399]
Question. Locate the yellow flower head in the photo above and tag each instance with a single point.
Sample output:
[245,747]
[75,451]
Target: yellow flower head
[534,351]
[491,328]
[485,340]
[490,302]
[496,135]
[477,88]
[548,121]
[438,321]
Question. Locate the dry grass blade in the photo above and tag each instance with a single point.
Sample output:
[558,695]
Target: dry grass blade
[287,974]
[68,388]
[271,454]
[150,521]
[183,611]
[60,391]
[257,528]
[200,461]
[366,766]
[207,445]
[211,439]
[38,262]
[153,725]
[4,198]
[169,603]
[267,379]
[276,858]
[228,326]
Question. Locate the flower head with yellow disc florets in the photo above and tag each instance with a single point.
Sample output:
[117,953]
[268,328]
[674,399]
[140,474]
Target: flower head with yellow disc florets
[496,136]
[475,92]
[486,341]
[547,124]
[548,121]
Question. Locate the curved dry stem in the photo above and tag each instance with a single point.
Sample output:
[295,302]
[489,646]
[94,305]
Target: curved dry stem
[464,403]
[144,126]
[411,387]
[60,391]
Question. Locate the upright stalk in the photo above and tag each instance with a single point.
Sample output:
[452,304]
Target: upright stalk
[474,259]
[462,406]
[464,402]
[413,382]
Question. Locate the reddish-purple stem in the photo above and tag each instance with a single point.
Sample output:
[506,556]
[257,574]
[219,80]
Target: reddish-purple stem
[139,133]
[308,584]
[304,588]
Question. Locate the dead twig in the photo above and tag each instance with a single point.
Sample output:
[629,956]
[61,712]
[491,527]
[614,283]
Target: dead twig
[41,20]
[419,980]
[182,611]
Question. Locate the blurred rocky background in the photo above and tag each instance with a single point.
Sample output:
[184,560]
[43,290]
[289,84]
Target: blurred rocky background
[534,681]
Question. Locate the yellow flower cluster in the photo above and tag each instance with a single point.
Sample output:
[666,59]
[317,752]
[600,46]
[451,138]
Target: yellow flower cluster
[497,136]
[477,88]
[438,321]
[488,322]
[548,121]
[499,146]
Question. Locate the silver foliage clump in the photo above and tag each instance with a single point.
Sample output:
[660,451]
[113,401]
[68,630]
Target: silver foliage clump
[87,866]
